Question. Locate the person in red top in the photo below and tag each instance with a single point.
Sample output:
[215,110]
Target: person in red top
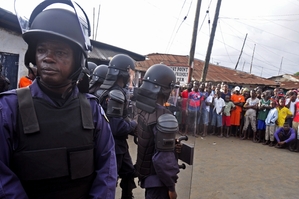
[28,79]
[184,95]
[194,109]
[295,126]
[238,101]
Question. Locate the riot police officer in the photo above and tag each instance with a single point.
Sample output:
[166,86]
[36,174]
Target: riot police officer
[55,141]
[156,163]
[97,78]
[113,99]
[91,67]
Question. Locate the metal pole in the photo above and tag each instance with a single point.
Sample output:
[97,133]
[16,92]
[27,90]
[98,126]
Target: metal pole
[241,52]
[252,59]
[280,65]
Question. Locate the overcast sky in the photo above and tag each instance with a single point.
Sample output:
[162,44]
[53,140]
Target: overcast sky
[158,26]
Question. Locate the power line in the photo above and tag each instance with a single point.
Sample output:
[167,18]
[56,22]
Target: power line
[173,37]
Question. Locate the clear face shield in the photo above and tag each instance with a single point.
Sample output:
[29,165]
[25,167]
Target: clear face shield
[26,12]
[174,95]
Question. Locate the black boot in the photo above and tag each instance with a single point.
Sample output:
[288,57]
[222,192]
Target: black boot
[127,185]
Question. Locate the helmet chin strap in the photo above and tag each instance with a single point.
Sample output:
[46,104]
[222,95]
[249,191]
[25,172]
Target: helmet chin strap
[74,77]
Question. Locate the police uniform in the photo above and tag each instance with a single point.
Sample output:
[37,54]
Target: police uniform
[156,163]
[60,143]
[121,126]
[156,169]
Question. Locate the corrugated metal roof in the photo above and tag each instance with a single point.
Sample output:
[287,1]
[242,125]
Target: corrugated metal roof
[215,73]
[104,52]
[289,85]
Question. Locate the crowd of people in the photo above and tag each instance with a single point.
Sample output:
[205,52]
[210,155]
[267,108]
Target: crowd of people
[267,116]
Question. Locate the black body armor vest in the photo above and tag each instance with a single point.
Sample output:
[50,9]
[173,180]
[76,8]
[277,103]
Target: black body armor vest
[146,141]
[57,161]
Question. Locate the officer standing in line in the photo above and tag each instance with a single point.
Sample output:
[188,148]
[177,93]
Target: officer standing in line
[156,165]
[113,99]
[91,67]
[97,78]
[55,141]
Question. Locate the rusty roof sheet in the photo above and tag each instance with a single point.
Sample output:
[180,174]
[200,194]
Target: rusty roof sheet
[288,85]
[215,73]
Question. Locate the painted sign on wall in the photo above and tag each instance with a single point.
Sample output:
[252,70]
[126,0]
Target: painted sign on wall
[181,74]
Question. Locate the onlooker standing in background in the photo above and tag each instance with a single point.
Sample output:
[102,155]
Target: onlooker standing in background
[28,79]
[283,113]
[229,106]
[290,104]
[270,124]
[184,95]
[194,109]
[250,115]
[239,101]
[263,110]
[295,125]
[218,104]
[206,111]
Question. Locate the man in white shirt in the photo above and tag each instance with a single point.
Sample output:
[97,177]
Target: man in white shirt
[219,105]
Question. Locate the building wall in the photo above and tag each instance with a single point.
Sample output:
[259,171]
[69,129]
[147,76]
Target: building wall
[11,42]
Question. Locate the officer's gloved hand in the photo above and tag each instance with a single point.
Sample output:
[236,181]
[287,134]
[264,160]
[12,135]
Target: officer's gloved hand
[133,125]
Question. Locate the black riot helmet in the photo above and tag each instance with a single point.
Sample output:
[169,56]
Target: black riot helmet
[119,66]
[68,22]
[159,79]
[91,67]
[99,74]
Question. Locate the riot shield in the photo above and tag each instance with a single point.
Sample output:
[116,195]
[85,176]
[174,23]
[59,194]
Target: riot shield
[187,128]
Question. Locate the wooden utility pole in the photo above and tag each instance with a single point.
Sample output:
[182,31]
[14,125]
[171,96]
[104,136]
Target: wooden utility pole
[207,60]
[193,42]
[241,52]
[252,59]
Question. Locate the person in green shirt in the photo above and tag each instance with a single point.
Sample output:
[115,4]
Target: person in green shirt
[263,110]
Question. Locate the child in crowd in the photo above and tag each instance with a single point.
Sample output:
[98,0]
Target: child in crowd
[229,106]
[270,124]
[283,113]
